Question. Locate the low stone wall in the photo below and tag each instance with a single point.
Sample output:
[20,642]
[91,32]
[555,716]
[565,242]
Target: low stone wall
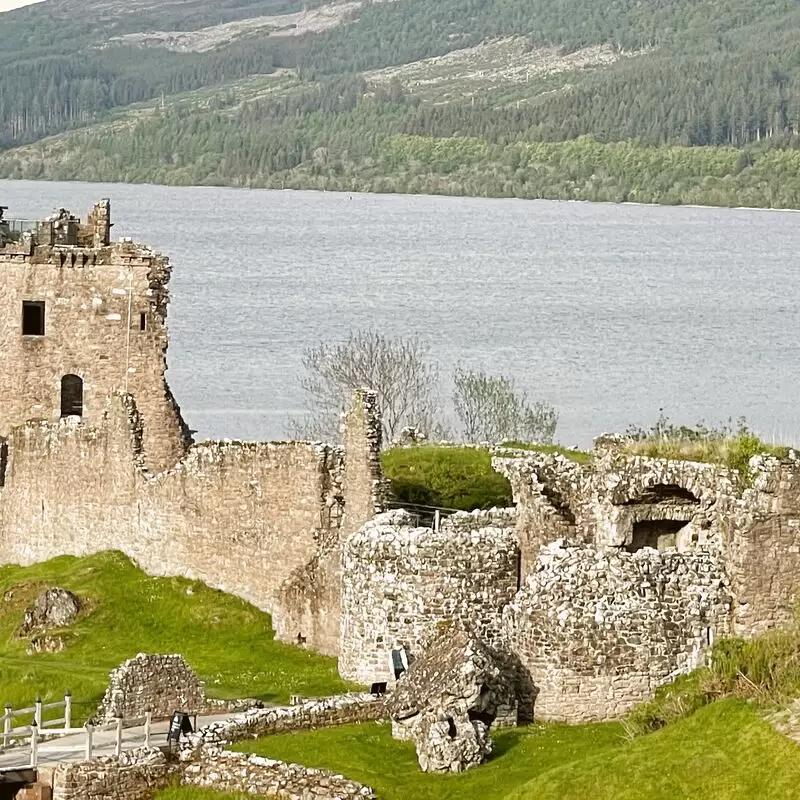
[157,683]
[134,775]
[235,772]
[202,762]
[321,713]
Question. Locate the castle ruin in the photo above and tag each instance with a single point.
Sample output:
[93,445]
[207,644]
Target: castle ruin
[605,581]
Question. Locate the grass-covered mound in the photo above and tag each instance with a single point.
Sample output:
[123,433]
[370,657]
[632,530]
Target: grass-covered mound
[227,641]
[725,751]
[452,477]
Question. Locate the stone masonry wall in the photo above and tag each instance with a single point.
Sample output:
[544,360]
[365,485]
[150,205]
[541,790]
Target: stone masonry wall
[399,583]
[323,712]
[600,629]
[752,523]
[134,775]
[238,516]
[225,771]
[105,311]
[763,553]
[311,596]
[157,683]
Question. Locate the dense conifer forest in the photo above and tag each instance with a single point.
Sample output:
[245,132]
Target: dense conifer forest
[700,101]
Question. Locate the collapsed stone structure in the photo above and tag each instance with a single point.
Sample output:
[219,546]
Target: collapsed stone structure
[610,579]
[606,580]
[449,699]
[156,683]
[94,454]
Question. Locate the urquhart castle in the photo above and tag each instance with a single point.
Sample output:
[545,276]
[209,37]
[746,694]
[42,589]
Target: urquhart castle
[605,581]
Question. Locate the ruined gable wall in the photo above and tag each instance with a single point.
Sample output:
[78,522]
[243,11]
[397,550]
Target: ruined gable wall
[92,330]
[600,629]
[311,597]
[399,583]
[241,517]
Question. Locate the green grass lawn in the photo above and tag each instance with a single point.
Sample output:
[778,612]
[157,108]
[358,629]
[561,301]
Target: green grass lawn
[725,751]
[228,642]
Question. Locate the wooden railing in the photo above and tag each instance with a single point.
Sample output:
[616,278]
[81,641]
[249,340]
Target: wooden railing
[30,736]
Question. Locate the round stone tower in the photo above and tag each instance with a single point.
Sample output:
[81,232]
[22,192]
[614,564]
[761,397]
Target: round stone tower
[401,583]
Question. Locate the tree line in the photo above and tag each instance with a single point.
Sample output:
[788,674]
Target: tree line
[722,72]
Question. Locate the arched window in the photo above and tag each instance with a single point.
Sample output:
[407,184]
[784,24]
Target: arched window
[71,396]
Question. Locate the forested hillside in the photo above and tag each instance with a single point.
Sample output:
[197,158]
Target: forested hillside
[280,92]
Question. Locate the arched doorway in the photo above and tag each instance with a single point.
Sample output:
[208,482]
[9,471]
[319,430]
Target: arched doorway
[71,396]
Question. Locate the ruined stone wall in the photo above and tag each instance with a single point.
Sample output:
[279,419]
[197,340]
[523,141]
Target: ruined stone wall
[323,712]
[763,552]
[600,629]
[621,502]
[241,517]
[311,597]
[105,311]
[399,583]
[157,683]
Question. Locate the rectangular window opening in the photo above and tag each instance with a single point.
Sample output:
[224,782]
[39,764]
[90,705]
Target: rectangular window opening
[33,318]
[143,321]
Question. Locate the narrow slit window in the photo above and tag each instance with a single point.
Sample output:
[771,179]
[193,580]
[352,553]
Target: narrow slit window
[142,321]
[33,318]
[71,396]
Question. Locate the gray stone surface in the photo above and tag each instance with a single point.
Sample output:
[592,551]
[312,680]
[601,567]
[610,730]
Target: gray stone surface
[449,698]
[53,608]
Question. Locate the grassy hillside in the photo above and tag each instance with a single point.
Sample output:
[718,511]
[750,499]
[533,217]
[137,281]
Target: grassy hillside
[725,751]
[228,642]
[182,93]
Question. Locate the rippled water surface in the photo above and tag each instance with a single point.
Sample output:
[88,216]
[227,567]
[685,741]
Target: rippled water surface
[609,312]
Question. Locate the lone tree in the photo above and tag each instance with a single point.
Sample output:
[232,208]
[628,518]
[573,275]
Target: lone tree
[397,369]
[491,409]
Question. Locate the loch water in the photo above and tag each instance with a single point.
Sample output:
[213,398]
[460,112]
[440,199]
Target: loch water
[609,312]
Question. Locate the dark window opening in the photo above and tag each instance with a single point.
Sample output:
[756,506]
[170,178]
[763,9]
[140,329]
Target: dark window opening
[33,318]
[142,321]
[656,533]
[71,396]
[451,728]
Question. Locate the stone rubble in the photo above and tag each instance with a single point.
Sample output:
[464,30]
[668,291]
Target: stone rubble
[448,700]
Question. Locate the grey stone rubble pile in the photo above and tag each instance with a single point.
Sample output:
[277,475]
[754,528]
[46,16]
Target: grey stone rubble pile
[449,698]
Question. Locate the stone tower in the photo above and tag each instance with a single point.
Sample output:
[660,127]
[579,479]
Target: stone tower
[83,318]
